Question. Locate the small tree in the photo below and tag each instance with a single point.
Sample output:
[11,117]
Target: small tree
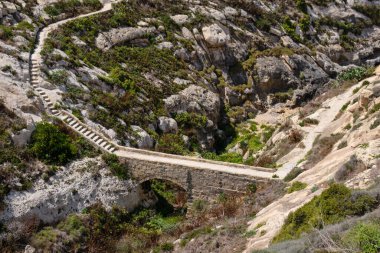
[49,144]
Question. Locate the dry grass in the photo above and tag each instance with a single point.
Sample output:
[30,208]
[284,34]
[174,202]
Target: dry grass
[321,148]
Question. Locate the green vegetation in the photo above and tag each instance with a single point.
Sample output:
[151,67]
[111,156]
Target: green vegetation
[49,144]
[172,144]
[117,169]
[191,120]
[357,74]
[296,186]
[290,29]
[293,174]
[225,157]
[332,206]
[308,121]
[344,107]
[5,32]
[364,237]
[301,5]
[72,7]
[375,108]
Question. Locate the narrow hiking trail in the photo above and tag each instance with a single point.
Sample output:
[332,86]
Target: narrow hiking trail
[271,218]
[50,97]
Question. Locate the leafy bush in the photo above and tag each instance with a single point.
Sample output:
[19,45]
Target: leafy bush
[357,73]
[171,143]
[191,120]
[49,144]
[332,206]
[364,237]
[296,186]
[117,169]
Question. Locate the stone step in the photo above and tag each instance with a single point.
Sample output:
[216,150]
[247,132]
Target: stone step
[107,147]
[45,97]
[100,141]
[50,104]
[104,145]
[80,128]
[91,135]
[75,125]
[112,149]
[96,138]
[71,123]
[65,117]
[84,130]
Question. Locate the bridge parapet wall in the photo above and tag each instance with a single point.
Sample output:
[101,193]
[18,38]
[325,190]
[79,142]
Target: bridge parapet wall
[198,183]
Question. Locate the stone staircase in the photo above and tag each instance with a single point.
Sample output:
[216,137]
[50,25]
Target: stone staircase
[74,123]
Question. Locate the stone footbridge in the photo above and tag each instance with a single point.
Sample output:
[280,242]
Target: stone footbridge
[199,177]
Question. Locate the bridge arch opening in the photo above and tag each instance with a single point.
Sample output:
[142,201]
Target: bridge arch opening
[170,196]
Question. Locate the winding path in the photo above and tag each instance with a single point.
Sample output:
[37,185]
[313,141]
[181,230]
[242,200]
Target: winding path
[108,145]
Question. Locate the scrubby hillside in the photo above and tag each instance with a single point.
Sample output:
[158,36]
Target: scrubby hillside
[288,85]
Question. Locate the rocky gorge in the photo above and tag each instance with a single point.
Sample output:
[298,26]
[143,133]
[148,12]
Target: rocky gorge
[252,82]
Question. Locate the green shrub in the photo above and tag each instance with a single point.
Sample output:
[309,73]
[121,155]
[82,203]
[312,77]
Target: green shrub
[364,237]
[45,239]
[293,174]
[167,247]
[301,5]
[117,169]
[375,124]
[290,29]
[171,143]
[296,186]
[49,144]
[344,107]
[58,77]
[375,108]
[224,157]
[357,73]
[191,120]
[305,23]
[332,206]
[73,226]
[6,32]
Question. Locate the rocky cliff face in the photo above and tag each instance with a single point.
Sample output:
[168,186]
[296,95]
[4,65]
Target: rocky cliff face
[243,52]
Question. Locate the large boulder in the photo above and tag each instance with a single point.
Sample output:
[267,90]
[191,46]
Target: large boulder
[195,99]
[106,40]
[142,138]
[215,35]
[274,75]
[167,125]
[180,19]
